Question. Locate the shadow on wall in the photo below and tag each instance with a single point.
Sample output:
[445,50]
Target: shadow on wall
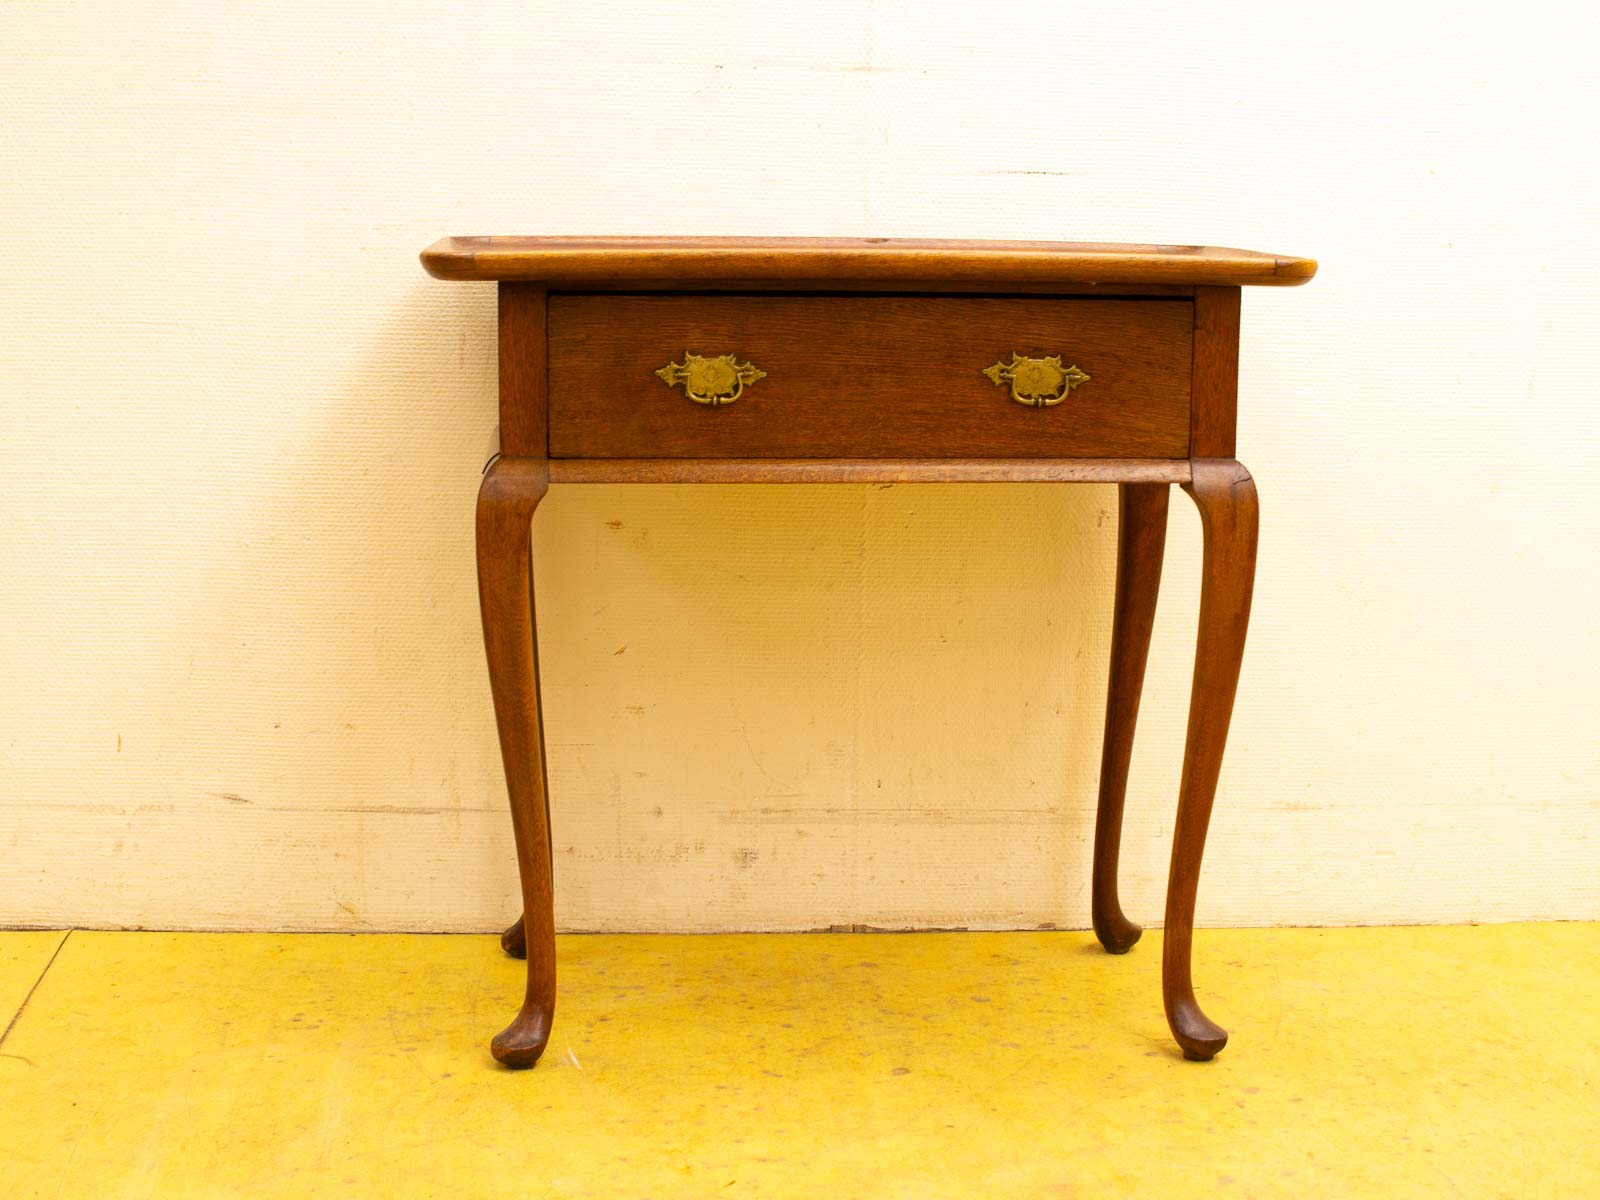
[766,706]
[793,706]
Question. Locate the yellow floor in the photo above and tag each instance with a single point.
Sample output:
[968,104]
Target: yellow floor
[1364,1063]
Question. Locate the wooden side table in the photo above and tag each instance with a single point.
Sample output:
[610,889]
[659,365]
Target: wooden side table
[741,360]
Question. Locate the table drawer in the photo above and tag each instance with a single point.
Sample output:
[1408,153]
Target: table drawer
[821,376]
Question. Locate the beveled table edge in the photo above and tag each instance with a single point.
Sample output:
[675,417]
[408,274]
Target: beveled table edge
[576,261]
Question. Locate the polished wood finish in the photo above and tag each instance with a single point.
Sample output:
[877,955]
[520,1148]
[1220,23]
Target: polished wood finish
[524,376]
[688,286]
[592,260]
[1216,372]
[869,470]
[510,493]
[1141,543]
[867,377]
[1226,497]
[868,386]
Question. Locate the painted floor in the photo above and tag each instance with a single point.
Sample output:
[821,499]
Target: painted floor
[1364,1063]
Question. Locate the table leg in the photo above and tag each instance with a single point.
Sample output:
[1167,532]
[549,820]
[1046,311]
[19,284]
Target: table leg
[514,941]
[511,491]
[1226,497]
[1141,541]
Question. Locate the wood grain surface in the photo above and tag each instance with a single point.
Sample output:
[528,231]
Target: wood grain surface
[507,498]
[569,260]
[1225,494]
[869,470]
[523,373]
[933,286]
[867,377]
[1141,546]
[1216,372]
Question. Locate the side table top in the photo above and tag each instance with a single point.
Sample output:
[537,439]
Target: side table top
[577,260]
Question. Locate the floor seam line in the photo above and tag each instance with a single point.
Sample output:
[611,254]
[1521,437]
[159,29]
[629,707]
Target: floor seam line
[23,1007]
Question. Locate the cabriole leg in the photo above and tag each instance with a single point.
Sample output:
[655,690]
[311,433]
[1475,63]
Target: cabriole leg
[1226,497]
[1141,541]
[506,502]
[513,941]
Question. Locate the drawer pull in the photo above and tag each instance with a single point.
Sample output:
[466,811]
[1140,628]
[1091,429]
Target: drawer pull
[1040,382]
[712,381]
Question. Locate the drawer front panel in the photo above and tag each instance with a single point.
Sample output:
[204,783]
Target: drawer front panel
[867,377]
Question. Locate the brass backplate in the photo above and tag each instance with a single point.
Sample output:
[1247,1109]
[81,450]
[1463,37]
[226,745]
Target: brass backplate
[1040,382]
[713,381]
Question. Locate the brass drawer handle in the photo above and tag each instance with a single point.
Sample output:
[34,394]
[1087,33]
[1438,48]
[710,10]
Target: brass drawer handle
[712,381]
[1040,382]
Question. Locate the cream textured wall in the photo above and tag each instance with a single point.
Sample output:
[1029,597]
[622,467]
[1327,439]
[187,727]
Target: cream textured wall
[242,681]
